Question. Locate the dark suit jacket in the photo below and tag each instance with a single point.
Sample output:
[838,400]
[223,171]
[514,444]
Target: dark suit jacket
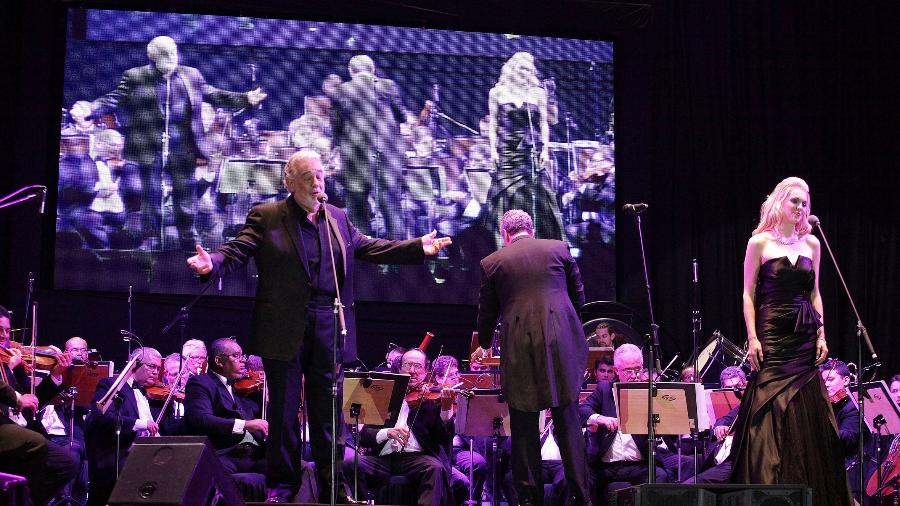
[211,411]
[271,236]
[434,435]
[366,114]
[100,430]
[847,417]
[136,92]
[535,286]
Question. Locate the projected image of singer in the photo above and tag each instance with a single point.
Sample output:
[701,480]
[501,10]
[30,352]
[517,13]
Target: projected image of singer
[535,287]
[519,137]
[293,321]
[366,116]
[786,431]
[164,132]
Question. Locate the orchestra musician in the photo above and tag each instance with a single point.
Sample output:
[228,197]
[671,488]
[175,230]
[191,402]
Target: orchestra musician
[293,320]
[132,418]
[416,445]
[148,93]
[836,377]
[231,422]
[716,464]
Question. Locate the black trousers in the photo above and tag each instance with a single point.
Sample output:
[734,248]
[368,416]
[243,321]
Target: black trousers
[427,473]
[526,452]
[181,171]
[47,466]
[314,363]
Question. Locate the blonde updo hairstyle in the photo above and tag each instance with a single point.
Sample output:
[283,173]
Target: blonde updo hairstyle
[770,213]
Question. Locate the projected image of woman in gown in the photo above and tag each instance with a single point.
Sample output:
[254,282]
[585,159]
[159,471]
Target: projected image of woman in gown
[519,136]
[786,432]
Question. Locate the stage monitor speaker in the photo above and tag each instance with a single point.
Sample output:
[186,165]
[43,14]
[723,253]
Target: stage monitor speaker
[174,470]
[665,495]
[768,495]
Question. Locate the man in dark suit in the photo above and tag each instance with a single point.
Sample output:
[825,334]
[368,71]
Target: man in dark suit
[366,113]
[615,459]
[417,445]
[164,131]
[293,320]
[132,416]
[535,287]
[231,422]
[836,376]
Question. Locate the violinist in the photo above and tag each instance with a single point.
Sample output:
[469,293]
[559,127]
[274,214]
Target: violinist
[836,377]
[194,353]
[172,424]
[446,373]
[716,464]
[231,422]
[77,348]
[416,445]
[133,417]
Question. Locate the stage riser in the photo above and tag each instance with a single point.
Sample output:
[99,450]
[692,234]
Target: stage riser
[713,495]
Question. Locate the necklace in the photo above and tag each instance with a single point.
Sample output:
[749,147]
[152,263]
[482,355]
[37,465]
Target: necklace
[787,241]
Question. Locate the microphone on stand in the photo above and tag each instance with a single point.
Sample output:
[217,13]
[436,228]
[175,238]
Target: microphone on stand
[634,208]
[322,198]
[43,198]
[436,93]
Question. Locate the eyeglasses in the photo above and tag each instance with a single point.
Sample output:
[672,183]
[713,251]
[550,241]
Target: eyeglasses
[152,367]
[236,356]
[411,366]
[631,371]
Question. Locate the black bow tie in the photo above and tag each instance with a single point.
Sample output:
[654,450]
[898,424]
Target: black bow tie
[139,388]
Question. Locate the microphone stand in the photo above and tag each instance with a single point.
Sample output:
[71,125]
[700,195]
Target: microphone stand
[182,317]
[862,334]
[653,358]
[339,337]
[696,329]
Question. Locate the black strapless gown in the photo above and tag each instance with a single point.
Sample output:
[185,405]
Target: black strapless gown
[786,432]
[515,186]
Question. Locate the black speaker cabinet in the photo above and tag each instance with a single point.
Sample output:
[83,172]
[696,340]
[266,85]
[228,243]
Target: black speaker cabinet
[174,470]
[665,495]
[768,495]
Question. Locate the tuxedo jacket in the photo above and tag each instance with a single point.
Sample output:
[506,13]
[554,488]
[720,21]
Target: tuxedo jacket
[847,417]
[434,435]
[535,287]
[271,236]
[136,93]
[100,429]
[211,411]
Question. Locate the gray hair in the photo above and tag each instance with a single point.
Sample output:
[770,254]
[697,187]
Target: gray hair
[732,372]
[192,345]
[144,353]
[361,63]
[299,162]
[515,221]
[626,349]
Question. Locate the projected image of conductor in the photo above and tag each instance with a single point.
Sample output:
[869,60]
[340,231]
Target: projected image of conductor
[519,136]
[163,133]
[366,116]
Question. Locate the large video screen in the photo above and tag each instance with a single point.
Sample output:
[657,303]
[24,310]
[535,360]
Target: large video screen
[175,125]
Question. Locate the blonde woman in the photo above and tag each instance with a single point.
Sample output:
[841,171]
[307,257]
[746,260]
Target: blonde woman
[786,431]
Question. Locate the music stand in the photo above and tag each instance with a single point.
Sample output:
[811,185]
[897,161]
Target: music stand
[882,415]
[678,408]
[492,361]
[484,379]
[720,401]
[373,398]
[84,377]
[240,175]
[484,413]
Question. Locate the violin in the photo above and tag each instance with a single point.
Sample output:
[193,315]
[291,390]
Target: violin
[431,392]
[838,396]
[161,393]
[888,471]
[41,357]
[250,384]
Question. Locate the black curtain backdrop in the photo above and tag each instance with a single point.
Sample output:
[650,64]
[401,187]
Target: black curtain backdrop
[716,101]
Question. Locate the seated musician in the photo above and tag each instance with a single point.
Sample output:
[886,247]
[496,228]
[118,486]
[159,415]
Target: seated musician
[46,466]
[66,429]
[446,372]
[716,464]
[82,121]
[100,196]
[194,353]
[231,422]
[173,423]
[594,194]
[895,388]
[604,369]
[604,335]
[416,446]
[836,377]
[132,417]
[616,460]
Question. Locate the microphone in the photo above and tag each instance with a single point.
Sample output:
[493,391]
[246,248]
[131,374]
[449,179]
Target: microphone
[322,198]
[634,208]
[696,278]
[43,198]
[436,93]
[813,220]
